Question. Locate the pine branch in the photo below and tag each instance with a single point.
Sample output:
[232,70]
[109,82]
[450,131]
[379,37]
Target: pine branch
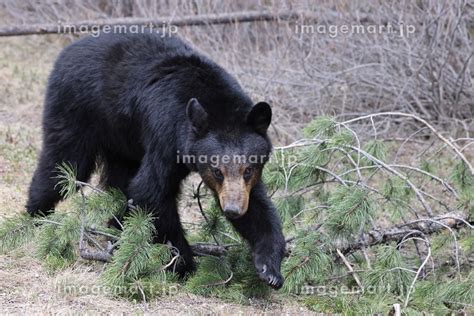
[369,239]
[418,194]
[424,122]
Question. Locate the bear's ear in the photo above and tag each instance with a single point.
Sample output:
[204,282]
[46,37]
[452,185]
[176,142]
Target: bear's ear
[197,116]
[260,117]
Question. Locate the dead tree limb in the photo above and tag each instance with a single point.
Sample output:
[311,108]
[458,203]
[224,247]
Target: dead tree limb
[371,238]
[425,226]
[95,255]
[191,20]
[106,255]
[210,250]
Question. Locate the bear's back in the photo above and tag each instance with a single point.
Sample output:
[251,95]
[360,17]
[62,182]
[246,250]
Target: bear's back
[117,76]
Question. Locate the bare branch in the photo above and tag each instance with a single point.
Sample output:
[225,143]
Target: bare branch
[191,20]
[426,226]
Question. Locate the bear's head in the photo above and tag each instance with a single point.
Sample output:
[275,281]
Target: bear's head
[229,154]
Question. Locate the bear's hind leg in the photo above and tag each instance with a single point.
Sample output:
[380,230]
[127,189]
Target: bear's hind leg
[44,192]
[169,230]
[117,174]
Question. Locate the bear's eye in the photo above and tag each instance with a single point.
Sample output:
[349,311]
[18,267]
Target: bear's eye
[217,173]
[248,173]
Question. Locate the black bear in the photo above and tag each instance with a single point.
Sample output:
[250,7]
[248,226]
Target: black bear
[150,109]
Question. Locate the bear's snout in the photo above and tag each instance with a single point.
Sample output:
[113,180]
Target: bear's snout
[233,197]
[232,211]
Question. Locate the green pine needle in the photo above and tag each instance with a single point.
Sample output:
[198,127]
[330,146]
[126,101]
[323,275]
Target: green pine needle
[309,262]
[349,212]
[66,179]
[377,149]
[320,127]
[16,231]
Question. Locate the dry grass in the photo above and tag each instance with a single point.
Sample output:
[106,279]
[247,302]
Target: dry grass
[26,288]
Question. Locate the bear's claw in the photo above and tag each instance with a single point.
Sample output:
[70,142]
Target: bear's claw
[272,278]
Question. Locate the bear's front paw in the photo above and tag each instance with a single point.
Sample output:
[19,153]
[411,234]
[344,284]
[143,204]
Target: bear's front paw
[269,273]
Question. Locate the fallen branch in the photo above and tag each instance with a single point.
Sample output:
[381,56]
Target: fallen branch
[95,255]
[210,250]
[371,238]
[158,23]
[425,226]
[420,269]
[106,255]
[349,267]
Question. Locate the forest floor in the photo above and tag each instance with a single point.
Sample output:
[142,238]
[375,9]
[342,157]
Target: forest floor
[25,285]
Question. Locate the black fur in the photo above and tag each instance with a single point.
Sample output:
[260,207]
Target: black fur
[121,100]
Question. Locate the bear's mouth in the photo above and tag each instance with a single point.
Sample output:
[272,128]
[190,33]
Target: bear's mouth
[232,215]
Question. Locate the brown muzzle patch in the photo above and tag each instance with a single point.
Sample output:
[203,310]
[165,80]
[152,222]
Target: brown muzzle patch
[234,196]
[233,192]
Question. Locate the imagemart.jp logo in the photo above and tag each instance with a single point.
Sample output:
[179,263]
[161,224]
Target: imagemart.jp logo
[95,30]
[335,291]
[133,290]
[334,30]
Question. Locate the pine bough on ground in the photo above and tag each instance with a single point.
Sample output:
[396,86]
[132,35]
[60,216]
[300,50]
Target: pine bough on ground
[370,228]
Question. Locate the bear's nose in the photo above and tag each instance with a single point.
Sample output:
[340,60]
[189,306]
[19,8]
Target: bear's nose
[232,211]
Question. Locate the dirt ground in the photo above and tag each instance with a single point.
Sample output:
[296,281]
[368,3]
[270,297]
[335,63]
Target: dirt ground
[25,285]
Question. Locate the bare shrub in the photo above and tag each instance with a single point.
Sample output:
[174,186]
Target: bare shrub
[428,73]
